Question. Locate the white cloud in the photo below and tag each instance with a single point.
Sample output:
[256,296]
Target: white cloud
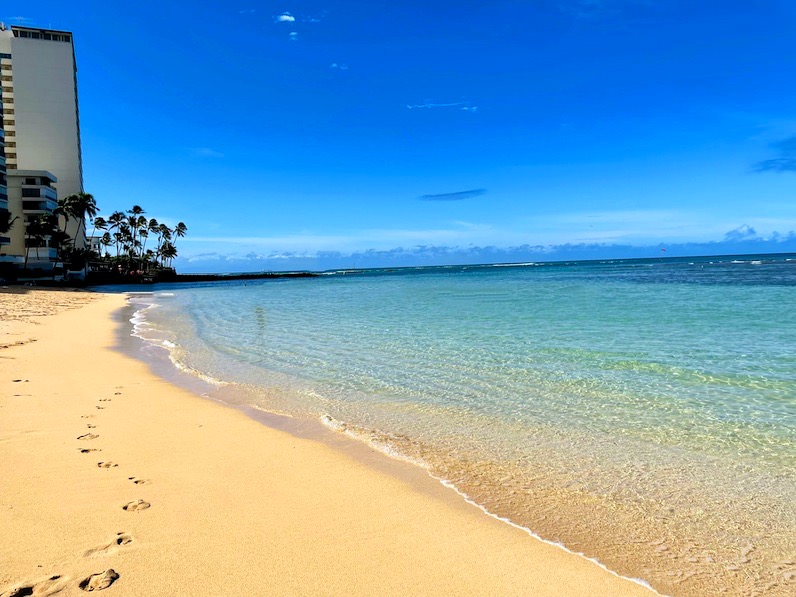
[293,35]
[285,17]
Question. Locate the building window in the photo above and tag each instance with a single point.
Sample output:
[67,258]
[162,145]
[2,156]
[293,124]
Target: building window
[11,144]
[11,156]
[6,78]
[8,110]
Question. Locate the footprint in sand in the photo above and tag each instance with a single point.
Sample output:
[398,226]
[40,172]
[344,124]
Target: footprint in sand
[20,380]
[87,436]
[117,393]
[99,581]
[139,481]
[50,586]
[136,506]
[90,426]
[121,539]
[88,450]
[106,465]
[86,416]
[104,400]
[100,407]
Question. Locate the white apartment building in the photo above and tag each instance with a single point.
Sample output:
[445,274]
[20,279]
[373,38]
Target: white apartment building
[40,127]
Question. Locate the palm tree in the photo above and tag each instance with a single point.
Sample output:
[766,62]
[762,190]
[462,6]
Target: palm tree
[164,234]
[143,233]
[179,231]
[60,241]
[167,252]
[37,230]
[64,209]
[76,207]
[106,242]
[100,223]
[115,220]
[82,205]
[6,221]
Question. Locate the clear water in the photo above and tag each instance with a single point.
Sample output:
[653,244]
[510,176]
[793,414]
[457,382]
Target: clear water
[642,412]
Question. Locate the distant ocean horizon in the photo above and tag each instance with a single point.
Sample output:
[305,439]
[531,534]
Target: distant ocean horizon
[639,411]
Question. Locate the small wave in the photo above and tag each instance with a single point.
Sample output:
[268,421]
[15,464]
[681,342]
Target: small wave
[371,439]
[271,411]
[195,372]
[140,321]
[144,330]
[165,294]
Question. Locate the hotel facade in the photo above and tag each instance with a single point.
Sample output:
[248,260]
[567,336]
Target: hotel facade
[40,153]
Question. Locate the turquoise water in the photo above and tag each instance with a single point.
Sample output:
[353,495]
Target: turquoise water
[643,412]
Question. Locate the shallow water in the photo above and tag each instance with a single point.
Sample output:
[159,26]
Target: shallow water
[641,412]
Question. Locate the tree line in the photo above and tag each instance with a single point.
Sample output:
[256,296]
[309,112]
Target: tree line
[128,232]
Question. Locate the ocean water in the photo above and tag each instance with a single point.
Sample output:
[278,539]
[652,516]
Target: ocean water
[640,412]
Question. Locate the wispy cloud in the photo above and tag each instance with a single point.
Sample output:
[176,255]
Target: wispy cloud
[776,165]
[589,9]
[285,17]
[206,152]
[248,11]
[18,20]
[338,66]
[458,196]
[293,35]
[466,106]
[784,162]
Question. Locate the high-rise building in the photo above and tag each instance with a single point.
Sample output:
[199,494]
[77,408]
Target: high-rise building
[40,129]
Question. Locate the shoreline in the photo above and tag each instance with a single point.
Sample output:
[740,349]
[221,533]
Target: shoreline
[356,445]
[217,501]
[699,546]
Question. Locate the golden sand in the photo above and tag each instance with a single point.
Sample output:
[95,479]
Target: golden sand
[113,479]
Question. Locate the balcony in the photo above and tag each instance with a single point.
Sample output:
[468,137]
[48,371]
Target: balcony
[40,254]
[46,206]
[38,190]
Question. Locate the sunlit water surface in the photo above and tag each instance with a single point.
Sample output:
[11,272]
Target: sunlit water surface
[641,412]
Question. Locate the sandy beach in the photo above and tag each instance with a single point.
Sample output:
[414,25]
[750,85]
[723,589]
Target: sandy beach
[114,479]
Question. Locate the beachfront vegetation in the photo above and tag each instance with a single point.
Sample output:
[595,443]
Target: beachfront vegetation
[129,233]
[121,250]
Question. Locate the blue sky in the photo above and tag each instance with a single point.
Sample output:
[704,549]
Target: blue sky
[311,134]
